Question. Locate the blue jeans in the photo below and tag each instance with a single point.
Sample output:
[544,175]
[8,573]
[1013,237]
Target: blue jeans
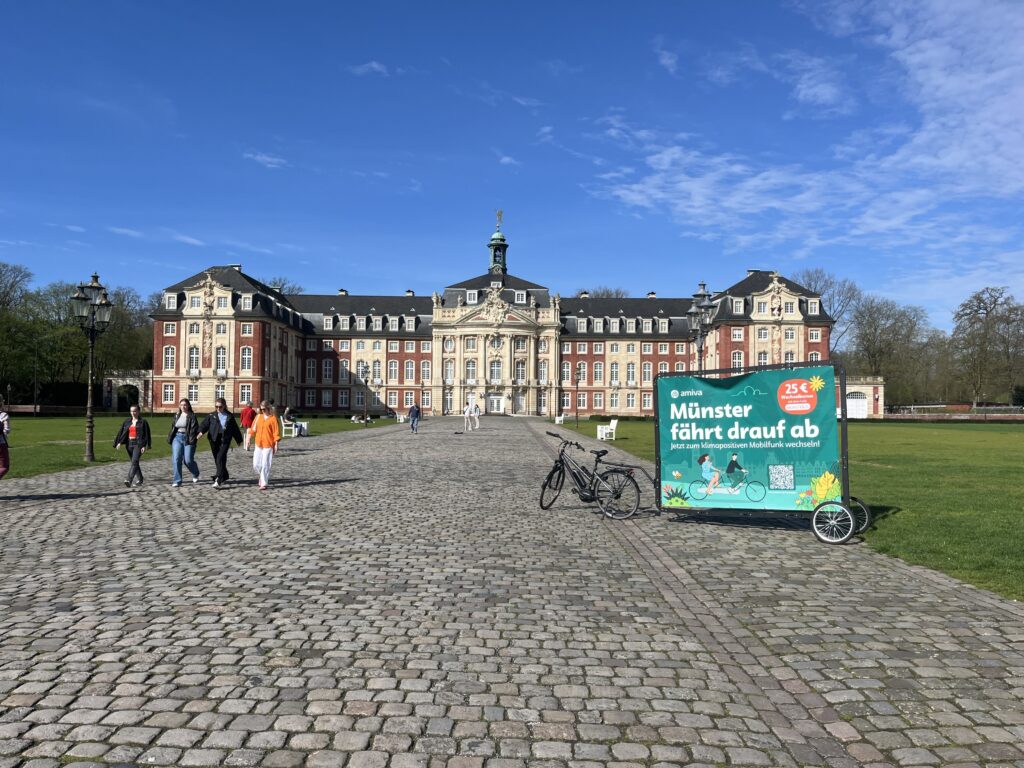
[180,450]
[414,422]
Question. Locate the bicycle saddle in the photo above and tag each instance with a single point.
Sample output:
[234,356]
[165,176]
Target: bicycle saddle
[599,454]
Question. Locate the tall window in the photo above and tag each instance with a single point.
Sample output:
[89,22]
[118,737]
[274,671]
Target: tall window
[169,359]
[613,400]
[219,391]
[598,374]
[220,358]
[471,370]
[310,397]
[343,398]
[362,370]
[245,355]
[245,393]
[393,370]
[328,371]
[631,372]
[566,371]
[598,400]
[631,400]
[325,398]
[646,371]
[789,357]
[410,371]
[581,370]
[581,400]
[424,371]
[520,371]
[169,392]
[449,370]
[343,371]
[193,358]
[193,393]
[737,359]
[376,369]
[542,371]
[762,358]
[613,371]
[495,370]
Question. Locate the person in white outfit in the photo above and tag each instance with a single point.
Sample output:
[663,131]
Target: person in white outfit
[476,416]
[467,417]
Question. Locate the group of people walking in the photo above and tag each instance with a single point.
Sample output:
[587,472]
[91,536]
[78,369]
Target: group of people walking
[261,432]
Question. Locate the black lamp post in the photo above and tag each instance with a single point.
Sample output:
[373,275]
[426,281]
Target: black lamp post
[92,310]
[576,378]
[366,387]
[699,316]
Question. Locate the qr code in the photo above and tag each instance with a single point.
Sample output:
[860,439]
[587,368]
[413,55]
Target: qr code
[780,477]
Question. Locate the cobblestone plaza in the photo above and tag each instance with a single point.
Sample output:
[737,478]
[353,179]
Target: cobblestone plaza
[400,600]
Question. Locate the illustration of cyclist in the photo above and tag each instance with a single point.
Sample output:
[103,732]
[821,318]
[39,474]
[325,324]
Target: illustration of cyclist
[709,472]
[735,474]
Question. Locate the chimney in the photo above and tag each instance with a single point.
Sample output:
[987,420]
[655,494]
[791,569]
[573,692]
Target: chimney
[342,292]
[236,267]
[751,272]
[584,294]
[652,295]
[410,292]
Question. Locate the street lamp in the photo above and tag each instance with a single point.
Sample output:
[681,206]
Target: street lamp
[361,373]
[699,316]
[92,310]
[576,378]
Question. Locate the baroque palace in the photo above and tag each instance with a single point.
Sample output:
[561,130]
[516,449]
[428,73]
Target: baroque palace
[497,340]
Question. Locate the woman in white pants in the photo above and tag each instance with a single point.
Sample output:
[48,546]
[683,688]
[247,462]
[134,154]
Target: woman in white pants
[266,434]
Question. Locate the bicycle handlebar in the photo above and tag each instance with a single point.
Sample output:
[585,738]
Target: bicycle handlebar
[553,434]
[567,442]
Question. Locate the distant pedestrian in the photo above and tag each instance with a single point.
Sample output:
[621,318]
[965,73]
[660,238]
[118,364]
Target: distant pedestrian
[134,435]
[183,437]
[476,416]
[467,417]
[266,434]
[414,418]
[221,428]
[246,416]
[5,428]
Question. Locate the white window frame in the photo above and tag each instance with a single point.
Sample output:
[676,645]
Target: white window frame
[663,326]
[762,333]
[170,301]
[222,302]
[647,326]
[169,393]
[646,401]
[310,398]
[520,297]
[192,393]
[598,325]
[471,297]
[195,302]
[647,348]
[737,359]
[343,398]
[789,334]
[247,329]
[737,334]
[393,398]
[581,348]
[170,329]
[247,302]
[393,324]
[630,326]
[244,352]
[613,325]
[737,306]
[328,323]
[814,357]
[789,307]
[244,393]
[344,345]
[814,334]
[392,346]
[410,346]
[813,307]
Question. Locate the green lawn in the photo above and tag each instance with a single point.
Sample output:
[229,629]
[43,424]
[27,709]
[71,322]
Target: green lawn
[50,444]
[946,496]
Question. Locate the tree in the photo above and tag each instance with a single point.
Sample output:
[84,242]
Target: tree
[975,333]
[284,285]
[839,296]
[604,292]
[14,282]
[887,340]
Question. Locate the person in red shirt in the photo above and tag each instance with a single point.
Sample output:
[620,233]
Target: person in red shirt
[135,437]
[247,416]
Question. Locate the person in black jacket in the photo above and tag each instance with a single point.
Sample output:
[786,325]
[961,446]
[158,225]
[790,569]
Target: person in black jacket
[183,437]
[220,428]
[134,436]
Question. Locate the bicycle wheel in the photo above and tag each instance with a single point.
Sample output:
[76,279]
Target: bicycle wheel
[618,495]
[833,523]
[699,489]
[861,514]
[552,486]
[756,491]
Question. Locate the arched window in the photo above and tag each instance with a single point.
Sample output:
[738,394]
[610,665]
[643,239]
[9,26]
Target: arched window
[376,369]
[193,358]
[424,371]
[762,358]
[598,373]
[169,353]
[566,371]
[520,370]
[613,370]
[814,357]
[362,371]
[646,370]
[788,358]
[245,354]
[471,369]
[581,371]
[631,372]
[495,370]
[662,367]
[328,371]
[542,371]
[449,370]
[410,371]
[392,370]
[220,358]
[737,359]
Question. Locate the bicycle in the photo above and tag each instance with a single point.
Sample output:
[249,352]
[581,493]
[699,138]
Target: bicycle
[615,490]
[753,489]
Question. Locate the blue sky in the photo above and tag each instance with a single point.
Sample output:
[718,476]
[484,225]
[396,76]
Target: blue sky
[645,145]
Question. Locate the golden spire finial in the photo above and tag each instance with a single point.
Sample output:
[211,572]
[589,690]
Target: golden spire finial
[499,214]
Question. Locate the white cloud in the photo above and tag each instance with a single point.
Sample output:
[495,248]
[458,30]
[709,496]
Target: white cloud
[244,246]
[267,161]
[369,68]
[187,240]
[668,60]
[124,231]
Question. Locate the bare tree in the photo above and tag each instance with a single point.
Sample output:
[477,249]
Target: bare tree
[604,292]
[283,285]
[887,340]
[975,332]
[14,280]
[838,295]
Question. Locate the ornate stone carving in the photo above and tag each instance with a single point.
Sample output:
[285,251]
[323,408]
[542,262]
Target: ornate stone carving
[436,297]
[209,302]
[495,308]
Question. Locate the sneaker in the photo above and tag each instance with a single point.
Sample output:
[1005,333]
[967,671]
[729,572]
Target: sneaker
[127,483]
[195,480]
[139,481]
[175,485]
[216,484]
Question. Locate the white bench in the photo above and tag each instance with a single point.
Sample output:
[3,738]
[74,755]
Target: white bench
[560,419]
[607,431]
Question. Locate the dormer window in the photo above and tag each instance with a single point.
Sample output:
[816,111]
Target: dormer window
[222,302]
[789,307]
[520,297]
[393,324]
[631,326]
[195,302]
[378,323]
[613,325]
[496,284]
[663,326]
[360,323]
[813,307]
[581,325]
[170,301]
[328,323]
[737,306]
[343,323]
[410,323]
[247,302]
[762,307]
[599,325]
[647,326]
[471,297]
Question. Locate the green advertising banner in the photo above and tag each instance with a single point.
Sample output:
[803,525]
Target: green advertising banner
[763,440]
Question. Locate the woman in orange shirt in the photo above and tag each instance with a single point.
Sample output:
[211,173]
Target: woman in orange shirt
[266,434]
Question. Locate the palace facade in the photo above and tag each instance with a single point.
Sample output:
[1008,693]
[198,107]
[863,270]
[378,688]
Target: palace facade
[498,340]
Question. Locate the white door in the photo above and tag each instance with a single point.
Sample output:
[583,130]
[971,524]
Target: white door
[520,402]
[495,403]
[856,405]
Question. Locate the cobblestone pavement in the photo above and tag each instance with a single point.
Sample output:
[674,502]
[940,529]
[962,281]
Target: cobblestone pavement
[400,601]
